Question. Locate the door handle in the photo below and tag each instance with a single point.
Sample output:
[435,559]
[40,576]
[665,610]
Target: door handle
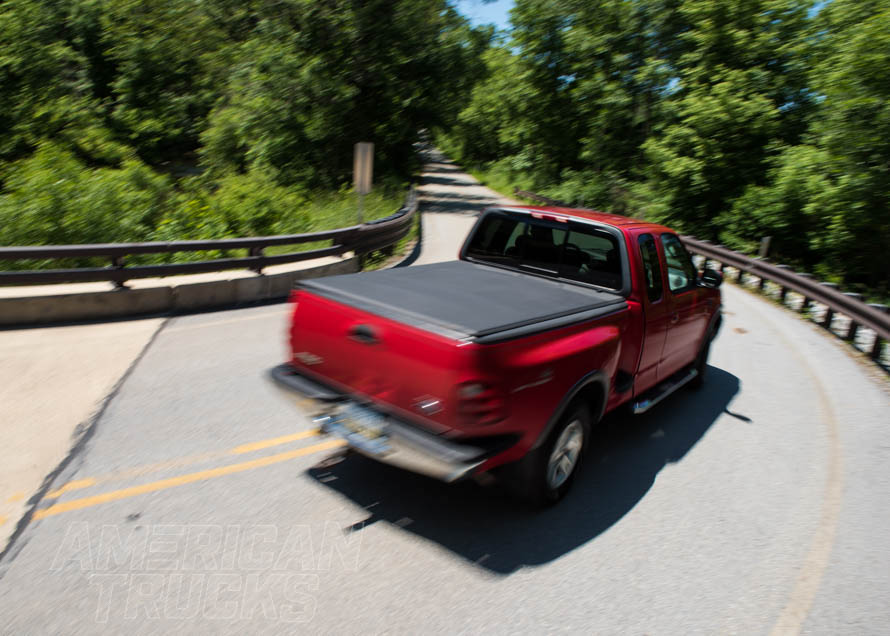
[675,318]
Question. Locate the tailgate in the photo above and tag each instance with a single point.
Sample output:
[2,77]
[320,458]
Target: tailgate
[411,372]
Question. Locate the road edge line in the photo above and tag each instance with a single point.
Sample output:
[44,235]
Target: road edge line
[83,432]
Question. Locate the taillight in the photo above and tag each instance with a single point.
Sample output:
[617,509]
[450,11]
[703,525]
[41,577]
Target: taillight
[480,404]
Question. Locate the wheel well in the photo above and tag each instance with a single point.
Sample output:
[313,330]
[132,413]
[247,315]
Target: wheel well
[593,396]
[590,391]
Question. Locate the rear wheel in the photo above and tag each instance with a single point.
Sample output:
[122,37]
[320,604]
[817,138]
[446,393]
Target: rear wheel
[553,467]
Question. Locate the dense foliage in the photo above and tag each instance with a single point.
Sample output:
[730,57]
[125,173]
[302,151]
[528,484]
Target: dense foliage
[729,120]
[133,120]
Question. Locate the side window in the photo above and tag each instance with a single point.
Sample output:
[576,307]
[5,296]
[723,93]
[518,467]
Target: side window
[681,271]
[651,267]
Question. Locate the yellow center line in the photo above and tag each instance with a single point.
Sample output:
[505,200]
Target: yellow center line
[163,484]
[275,441]
[175,463]
[71,485]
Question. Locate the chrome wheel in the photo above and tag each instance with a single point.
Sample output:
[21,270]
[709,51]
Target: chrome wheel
[565,454]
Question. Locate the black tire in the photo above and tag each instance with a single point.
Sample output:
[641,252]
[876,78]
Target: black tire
[701,363]
[544,485]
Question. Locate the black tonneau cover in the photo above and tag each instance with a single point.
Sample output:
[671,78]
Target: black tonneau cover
[459,299]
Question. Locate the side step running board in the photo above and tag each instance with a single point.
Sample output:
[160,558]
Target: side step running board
[657,394]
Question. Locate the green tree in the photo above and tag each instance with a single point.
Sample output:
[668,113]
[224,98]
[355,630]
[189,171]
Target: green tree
[52,198]
[825,202]
[738,93]
[318,77]
[45,91]
[497,121]
[540,30]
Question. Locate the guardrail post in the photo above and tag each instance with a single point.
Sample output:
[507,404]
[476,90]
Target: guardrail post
[256,252]
[722,264]
[761,284]
[876,349]
[876,346]
[853,329]
[761,279]
[829,312]
[854,326]
[783,291]
[805,305]
[117,262]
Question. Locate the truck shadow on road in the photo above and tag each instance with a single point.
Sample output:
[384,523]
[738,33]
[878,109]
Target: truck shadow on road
[486,527]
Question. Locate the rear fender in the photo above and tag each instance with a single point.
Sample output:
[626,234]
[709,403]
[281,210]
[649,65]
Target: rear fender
[590,390]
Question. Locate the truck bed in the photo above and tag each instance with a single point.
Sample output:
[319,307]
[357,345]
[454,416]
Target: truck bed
[468,301]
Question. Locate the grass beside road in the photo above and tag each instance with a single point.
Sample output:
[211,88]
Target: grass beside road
[329,211]
[502,181]
[337,210]
[243,217]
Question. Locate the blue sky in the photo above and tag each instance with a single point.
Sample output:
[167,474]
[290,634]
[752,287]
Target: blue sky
[497,12]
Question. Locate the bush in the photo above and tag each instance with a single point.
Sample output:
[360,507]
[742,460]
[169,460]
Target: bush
[52,198]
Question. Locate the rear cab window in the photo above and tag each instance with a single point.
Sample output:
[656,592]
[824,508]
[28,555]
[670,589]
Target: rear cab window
[561,249]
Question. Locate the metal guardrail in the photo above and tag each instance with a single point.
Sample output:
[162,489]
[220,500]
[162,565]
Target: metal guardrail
[361,239]
[861,314]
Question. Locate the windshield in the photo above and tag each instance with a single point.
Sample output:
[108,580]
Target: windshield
[561,249]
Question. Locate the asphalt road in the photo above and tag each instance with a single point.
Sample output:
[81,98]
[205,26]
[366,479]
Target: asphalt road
[203,502]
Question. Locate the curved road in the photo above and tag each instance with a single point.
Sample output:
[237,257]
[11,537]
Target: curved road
[203,502]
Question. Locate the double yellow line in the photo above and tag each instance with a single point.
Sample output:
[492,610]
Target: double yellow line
[181,480]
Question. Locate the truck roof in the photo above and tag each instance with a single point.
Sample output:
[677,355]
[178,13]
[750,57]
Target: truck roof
[615,220]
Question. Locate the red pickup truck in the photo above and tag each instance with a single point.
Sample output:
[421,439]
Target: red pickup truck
[501,362]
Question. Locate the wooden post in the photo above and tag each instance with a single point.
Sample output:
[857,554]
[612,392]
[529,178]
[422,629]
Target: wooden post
[363,172]
[764,246]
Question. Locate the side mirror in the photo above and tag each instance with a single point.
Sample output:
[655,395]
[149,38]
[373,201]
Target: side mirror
[710,278]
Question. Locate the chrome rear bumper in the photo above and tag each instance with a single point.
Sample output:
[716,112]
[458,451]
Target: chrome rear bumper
[398,443]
